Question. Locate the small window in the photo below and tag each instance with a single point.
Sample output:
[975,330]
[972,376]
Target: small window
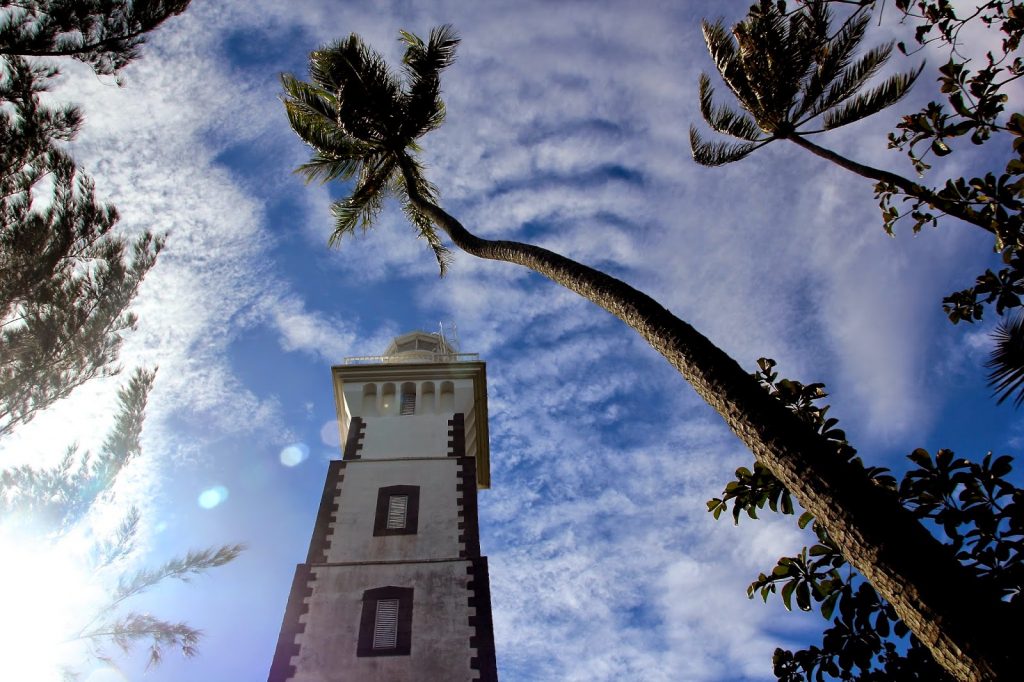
[385,625]
[398,508]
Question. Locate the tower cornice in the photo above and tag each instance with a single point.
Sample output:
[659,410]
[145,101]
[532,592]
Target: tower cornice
[422,371]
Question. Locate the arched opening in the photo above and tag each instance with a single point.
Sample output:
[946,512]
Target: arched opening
[447,397]
[369,400]
[387,399]
[427,398]
[408,399]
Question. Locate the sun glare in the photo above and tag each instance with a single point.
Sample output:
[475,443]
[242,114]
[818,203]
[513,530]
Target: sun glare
[213,497]
[47,594]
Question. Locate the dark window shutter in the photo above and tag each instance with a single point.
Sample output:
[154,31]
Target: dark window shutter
[385,624]
[398,510]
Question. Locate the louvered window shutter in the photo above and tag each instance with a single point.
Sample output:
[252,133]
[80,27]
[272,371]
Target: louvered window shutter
[398,506]
[385,627]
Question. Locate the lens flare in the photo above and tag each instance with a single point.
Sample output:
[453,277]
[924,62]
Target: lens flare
[212,497]
[294,454]
[330,435]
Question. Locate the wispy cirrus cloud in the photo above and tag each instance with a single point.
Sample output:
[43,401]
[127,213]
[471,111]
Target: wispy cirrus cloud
[567,127]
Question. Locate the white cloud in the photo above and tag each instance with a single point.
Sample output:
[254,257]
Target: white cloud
[567,127]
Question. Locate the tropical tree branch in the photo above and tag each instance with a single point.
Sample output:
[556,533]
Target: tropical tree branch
[907,566]
[955,209]
[372,117]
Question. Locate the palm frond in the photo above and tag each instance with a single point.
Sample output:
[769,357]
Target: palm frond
[363,123]
[816,20]
[367,93]
[330,145]
[429,59]
[423,63]
[718,153]
[360,209]
[1007,361]
[786,70]
[774,58]
[424,190]
[869,103]
[724,52]
[422,187]
[425,230]
[852,79]
[723,119]
[309,97]
[832,58]
[327,168]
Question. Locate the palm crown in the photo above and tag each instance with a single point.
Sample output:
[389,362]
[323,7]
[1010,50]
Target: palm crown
[363,122]
[786,71]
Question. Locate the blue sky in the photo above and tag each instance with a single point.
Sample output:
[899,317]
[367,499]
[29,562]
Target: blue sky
[567,126]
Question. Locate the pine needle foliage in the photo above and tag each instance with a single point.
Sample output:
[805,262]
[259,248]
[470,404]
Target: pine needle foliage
[66,278]
[787,71]
[57,498]
[66,283]
[51,503]
[106,34]
[363,122]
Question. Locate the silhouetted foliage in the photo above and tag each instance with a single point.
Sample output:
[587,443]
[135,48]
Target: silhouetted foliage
[1007,360]
[66,279]
[363,123]
[106,34]
[336,115]
[66,282]
[778,61]
[46,505]
[972,505]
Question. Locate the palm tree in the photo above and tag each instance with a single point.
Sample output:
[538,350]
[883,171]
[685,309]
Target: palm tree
[363,123]
[1007,360]
[792,78]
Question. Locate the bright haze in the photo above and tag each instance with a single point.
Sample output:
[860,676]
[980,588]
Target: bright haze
[567,127]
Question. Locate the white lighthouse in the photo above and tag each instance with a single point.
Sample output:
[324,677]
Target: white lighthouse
[394,586]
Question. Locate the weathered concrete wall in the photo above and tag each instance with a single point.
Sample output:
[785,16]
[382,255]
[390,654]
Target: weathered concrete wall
[406,436]
[437,536]
[441,629]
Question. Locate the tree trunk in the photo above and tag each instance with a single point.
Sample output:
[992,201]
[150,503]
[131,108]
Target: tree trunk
[939,600]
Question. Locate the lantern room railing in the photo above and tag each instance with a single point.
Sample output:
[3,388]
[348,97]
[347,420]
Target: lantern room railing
[411,356]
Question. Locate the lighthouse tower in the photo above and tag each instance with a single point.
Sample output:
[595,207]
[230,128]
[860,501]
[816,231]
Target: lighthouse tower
[394,586]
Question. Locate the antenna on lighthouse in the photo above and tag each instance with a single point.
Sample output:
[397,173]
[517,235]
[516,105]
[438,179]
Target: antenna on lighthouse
[449,333]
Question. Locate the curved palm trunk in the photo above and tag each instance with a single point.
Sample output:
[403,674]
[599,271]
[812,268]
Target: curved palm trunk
[938,599]
[957,210]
